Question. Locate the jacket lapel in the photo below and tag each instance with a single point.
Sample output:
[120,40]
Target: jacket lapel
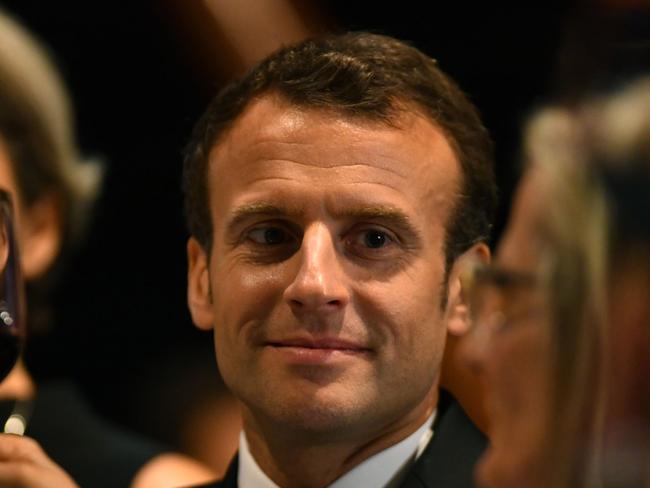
[230,480]
[448,461]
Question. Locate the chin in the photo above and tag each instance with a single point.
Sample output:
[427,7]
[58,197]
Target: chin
[500,468]
[322,416]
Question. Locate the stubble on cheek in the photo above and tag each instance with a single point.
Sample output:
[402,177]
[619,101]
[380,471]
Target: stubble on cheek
[410,338]
[245,301]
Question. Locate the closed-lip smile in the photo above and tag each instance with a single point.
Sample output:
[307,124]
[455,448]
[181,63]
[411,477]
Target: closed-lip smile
[317,351]
[331,343]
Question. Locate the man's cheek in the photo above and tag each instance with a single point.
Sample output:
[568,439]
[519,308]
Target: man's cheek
[248,293]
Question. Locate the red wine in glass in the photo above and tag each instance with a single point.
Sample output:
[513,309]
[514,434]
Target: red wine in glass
[12,331]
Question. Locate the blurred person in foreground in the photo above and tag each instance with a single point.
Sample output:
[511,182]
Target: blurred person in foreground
[560,319]
[330,194]
[617,150]
[53,192]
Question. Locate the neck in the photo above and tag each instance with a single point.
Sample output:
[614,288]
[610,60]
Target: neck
[296,460]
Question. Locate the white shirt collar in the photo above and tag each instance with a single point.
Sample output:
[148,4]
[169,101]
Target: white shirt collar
[249,474]
[385,469]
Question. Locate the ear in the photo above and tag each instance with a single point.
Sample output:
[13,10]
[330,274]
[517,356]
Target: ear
[457,310]
[198,286]
[40,235]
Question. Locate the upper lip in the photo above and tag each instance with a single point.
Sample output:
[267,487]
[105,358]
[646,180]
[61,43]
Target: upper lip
[319,343]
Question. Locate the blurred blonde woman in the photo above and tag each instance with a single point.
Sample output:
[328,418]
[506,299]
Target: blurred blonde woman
[560,329]
[617,131]
[53,191]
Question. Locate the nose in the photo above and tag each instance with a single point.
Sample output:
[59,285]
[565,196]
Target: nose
[319,286]
[475,346]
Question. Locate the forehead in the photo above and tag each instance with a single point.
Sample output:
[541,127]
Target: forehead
[276,146]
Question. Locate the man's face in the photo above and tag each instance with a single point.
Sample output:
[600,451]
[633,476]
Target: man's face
[325,278]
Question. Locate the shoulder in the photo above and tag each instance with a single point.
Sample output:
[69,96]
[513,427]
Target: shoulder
[65,425]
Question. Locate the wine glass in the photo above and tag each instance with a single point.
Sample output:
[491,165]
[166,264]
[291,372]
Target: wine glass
[12,306]
[12,328]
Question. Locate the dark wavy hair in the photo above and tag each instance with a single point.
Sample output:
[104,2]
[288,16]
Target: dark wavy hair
[363,75]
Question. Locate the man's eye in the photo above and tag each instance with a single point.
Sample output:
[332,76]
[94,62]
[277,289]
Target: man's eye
[269,236]
[371,243]
[375,239]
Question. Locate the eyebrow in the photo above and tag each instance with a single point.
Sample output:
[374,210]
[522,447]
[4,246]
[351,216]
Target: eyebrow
[384,214]
[257,209]
[392,217]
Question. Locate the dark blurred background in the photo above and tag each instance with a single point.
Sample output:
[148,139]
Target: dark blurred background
[140,73]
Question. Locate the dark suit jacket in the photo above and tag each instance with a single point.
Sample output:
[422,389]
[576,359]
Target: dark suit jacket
[447,462]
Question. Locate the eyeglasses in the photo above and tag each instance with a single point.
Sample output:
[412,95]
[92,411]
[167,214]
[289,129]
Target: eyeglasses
[501,298]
